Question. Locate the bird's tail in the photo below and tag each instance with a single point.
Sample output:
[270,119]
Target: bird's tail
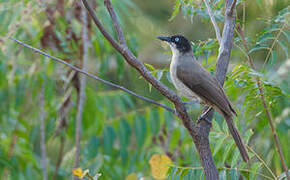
[237,137]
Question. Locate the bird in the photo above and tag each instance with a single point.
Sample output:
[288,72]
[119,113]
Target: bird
[193,81]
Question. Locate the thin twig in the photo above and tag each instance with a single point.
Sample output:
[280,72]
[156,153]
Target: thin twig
[216,28]
[82,84]
[262,161]
[59,156]
[93,76]
[273,44]
[265,105]
[232,7]
[42,133]
[116,23]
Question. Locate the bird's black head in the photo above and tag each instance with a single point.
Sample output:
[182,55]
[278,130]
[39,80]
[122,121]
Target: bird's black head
[177,42]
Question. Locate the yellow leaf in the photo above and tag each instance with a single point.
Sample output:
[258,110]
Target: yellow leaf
[78,172]
[132,176]
[159,166]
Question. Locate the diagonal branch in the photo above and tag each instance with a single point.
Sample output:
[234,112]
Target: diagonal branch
[216,28]
[93,76]
[141,68]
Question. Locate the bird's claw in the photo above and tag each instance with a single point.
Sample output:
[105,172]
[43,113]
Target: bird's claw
[203,118]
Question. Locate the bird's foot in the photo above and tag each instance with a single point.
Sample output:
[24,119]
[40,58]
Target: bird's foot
[203,116]
[190,102]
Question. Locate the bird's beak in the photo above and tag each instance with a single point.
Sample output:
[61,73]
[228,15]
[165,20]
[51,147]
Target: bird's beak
[164,38]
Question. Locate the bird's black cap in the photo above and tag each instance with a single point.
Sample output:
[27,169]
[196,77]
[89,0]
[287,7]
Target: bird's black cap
[181,43]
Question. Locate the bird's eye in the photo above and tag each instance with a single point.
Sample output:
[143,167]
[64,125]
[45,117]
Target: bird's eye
[176,39]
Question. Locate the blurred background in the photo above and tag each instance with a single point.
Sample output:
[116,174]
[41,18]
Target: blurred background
[40,99]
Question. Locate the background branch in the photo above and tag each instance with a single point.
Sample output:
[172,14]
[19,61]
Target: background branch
[82,80]
[116,23]
[216,28]
[93,76]
[42,133]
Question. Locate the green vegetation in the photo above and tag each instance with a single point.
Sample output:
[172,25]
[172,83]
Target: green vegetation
[120,133]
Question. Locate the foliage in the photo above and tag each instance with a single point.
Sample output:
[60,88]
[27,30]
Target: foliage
[120,134]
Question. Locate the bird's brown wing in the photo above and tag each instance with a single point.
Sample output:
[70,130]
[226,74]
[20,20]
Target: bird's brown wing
[196,78]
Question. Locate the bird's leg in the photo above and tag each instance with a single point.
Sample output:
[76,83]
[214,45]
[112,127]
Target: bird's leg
[190,102]
[202,116]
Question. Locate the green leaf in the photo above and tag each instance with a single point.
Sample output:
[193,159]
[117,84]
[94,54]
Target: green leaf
[222,174]
[140,130]
[216,126]
[284,47]
[287,34]
[235,157]
[258,47]
[154,122]
[227,150]
[255,167]
[176,10]
[93,146]
[265,37]
[128,100]
[234,174]
[108,139]
[149,66]
[273,59]
[183,173]
[219,144]
[124,134]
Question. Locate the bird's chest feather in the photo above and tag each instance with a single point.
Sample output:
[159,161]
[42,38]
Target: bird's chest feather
[182,89]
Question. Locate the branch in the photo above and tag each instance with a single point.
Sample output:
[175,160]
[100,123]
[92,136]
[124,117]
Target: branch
[59,157]
[141,68]
[221,70]
[93,76]
[82,80]
[265,105]
[42,133]
[216,28]
[116,23]
[232,7]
